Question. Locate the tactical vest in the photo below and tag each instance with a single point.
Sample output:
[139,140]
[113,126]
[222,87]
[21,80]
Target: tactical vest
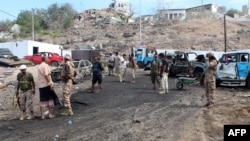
[71,67]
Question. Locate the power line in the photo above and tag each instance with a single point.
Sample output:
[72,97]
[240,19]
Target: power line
[8,14]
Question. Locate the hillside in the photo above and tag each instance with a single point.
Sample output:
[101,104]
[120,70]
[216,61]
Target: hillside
[206,33]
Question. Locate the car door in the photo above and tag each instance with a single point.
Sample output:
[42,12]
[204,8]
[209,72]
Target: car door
[88,67]
[227,66]
[242,65]
[181,64]
[37,58]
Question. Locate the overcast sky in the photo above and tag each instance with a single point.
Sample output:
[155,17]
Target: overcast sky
[9,9]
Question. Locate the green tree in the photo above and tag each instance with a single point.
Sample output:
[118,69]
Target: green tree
[232,11]
[60,17]
[24,19]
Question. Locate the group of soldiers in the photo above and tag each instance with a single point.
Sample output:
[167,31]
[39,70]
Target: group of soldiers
[159,70]
[159,74]
[26,89]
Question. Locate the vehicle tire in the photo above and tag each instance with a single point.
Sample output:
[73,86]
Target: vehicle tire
[179,85]
[148,66]
[54,64]
[15,58]
[198,73]
[53,77]
[218,83]
[140,64]
[202,78]
[248,83]
[171,71]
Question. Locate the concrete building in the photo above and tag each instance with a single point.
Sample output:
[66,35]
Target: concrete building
[122,6]
[27,47]
[245,10]
[208,7]
[173,14]
[181,14]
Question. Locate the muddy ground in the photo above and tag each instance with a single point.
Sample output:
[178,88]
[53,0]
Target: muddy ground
[131,112]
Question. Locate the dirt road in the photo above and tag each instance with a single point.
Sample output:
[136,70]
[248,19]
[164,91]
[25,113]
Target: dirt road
[135,112]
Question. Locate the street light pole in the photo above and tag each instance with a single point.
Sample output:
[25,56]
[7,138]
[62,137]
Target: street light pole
[140,24]
[33,36]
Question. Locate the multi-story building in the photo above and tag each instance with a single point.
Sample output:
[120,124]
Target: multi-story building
[122,6]
[181,14]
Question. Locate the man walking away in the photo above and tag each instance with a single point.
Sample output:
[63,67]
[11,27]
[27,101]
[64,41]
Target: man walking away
[210,82]
[164,74]
[155,71]
[133,67]
[68,76]
[97,69]
[27,86]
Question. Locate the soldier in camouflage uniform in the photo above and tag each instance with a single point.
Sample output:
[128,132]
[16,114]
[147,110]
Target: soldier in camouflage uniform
[155,71]
[68,76]
[26,85]
[210,82]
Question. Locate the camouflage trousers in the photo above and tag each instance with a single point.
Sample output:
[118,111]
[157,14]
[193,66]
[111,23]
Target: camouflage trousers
[155,77]
[67,91]
[26,99]
[210,91]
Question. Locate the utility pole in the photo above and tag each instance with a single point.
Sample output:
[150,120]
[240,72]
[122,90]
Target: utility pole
[225,33]
[33,36]
[140,25]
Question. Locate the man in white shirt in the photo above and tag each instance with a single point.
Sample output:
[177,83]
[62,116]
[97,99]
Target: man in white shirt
[123,67]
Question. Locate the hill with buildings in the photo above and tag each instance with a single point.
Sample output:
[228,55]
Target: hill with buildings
[203,32]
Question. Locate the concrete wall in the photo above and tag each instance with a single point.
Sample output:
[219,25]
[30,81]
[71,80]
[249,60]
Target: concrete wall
[23,48]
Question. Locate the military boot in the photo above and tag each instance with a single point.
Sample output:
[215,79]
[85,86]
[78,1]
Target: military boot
[67,112]
[70,112]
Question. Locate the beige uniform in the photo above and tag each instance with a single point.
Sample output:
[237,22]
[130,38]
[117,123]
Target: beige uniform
[67,87]
[210,81]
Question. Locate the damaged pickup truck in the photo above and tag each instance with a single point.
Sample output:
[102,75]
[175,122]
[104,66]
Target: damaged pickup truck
[233,69]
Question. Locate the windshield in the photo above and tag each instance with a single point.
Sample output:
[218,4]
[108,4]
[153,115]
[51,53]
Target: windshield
[138,52]
[228,58]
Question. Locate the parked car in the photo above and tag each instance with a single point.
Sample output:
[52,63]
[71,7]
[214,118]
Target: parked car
[82,69]
[233,69]
[54,59]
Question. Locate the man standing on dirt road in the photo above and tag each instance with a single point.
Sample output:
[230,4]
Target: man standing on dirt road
[45,85]
[164,74]
[133,67]
[123,67]
[68,76]
[210,82]
[97,69]
[27,86]
[155,71]
[117,63]
[111,63]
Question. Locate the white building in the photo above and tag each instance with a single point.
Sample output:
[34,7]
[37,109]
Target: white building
[173,14]
[181,14]
[122,6]
[208,7]
[245,10]
[26,47]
